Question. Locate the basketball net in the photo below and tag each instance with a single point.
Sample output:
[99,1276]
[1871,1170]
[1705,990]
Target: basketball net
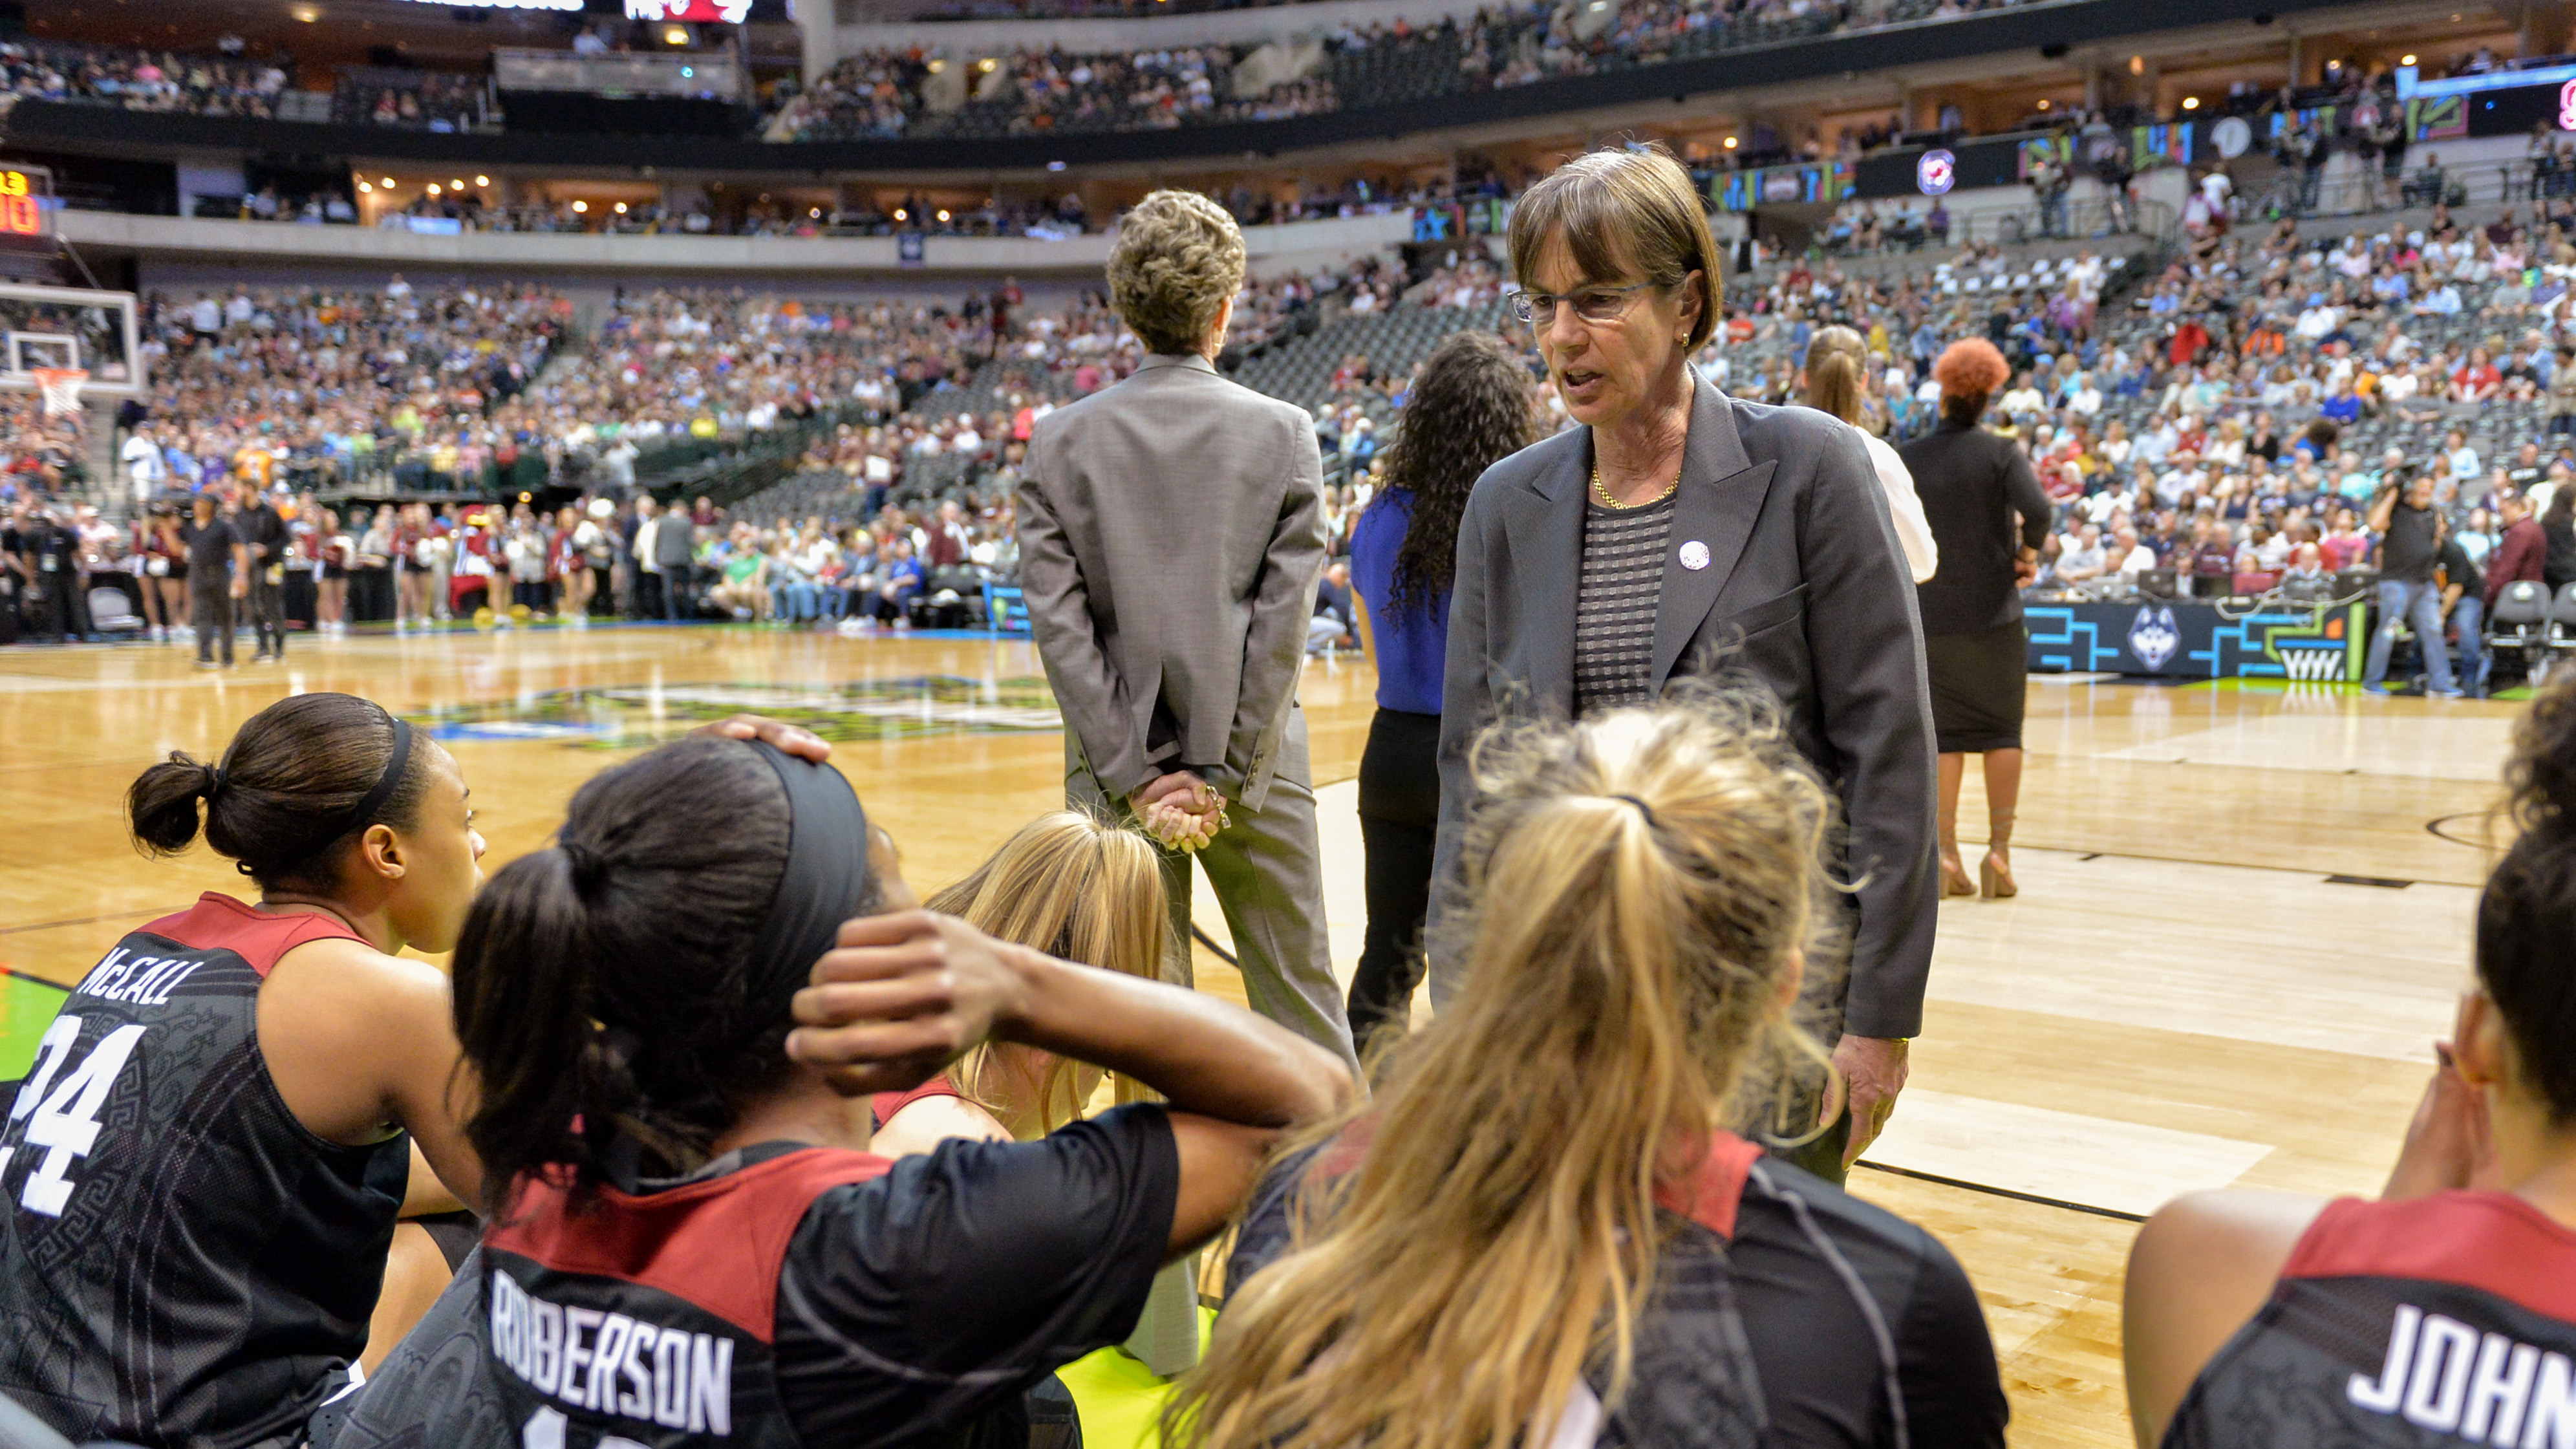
[61,387]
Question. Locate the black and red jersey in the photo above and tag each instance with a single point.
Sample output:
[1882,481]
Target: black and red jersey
[643,1319]
[787,1295]
[2442,1320]
[1784,1312]
[181,1262]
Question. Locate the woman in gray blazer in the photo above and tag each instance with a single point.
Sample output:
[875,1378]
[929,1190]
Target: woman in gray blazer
[1681,533]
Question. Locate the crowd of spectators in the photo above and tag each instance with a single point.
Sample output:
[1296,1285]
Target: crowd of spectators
[883,93]
[329,383]
[2223,420]
[2238,422]
[141,80]
[411,100]
[911,91]
[429,565]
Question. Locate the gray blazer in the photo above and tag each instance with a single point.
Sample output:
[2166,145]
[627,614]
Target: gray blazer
[1806,590]
[1171,532]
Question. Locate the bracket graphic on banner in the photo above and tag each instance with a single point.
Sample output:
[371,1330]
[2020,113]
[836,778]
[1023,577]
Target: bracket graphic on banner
[2297,643]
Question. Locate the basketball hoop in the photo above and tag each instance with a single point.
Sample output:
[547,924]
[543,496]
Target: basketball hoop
[61,387]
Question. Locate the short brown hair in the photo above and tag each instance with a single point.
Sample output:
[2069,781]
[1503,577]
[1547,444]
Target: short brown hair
[1622,213]
[1178,257]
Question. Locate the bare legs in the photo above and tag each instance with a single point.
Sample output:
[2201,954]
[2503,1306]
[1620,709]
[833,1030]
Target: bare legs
[1954,871]
[2003,797]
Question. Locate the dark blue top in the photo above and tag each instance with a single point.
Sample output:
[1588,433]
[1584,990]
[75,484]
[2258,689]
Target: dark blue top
[1412,647]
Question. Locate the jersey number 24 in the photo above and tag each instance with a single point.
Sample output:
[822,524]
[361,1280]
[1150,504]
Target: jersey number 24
[62,1117]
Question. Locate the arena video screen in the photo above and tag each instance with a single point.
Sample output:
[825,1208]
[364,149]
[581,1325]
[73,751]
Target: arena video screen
[69,328]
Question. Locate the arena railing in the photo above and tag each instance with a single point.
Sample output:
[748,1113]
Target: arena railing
[100,130]
[2342,192]
[1297,244]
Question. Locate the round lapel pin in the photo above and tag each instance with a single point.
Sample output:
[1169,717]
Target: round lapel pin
[1694,555]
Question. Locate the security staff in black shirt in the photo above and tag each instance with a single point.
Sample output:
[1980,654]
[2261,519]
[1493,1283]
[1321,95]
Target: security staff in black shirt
[218,572]
[50,553]
[2411,535]
[13,568]
[263,535]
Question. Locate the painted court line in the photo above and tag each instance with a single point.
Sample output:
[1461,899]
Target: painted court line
[2095,1162]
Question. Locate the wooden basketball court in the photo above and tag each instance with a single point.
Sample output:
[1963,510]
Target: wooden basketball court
[2244,915]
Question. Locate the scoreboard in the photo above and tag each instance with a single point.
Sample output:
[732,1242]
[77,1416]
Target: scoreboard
[26,209]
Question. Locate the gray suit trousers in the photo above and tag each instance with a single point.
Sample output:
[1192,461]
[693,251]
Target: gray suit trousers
[1268,874]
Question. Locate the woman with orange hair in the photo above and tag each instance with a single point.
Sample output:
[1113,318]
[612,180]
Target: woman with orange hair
[1973,483]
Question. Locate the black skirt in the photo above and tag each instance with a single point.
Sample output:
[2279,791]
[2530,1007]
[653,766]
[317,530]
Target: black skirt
[1977,688]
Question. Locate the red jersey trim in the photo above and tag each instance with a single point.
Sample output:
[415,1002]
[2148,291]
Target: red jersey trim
[220,923]
[2490,1241]
[1711,1197]
[886,1104]
[1708,1197]
[717,1244]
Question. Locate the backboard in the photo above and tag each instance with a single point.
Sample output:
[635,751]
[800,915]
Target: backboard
[69,327]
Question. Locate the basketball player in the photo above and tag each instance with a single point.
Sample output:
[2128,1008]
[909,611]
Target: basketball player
[691,1242]
[200,1177]
[2445,1313]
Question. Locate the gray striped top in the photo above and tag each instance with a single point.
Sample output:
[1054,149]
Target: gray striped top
[1614,608]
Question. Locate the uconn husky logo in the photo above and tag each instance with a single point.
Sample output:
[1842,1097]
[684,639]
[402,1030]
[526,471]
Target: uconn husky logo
[2154,637]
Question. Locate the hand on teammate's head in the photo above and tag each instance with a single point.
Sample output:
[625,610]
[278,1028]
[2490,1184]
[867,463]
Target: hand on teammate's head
[899,997]
[802,743]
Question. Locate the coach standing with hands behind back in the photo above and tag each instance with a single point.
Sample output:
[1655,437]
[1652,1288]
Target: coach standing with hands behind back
[1171,533]
[1680,532]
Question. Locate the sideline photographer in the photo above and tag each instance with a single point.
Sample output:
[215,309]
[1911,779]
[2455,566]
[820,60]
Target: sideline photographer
[2410,533]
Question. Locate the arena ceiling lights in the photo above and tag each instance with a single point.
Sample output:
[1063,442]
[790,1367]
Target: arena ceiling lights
[573,5]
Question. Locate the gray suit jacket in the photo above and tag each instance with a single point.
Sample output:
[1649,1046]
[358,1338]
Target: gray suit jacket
[1171,533]
[1806,590]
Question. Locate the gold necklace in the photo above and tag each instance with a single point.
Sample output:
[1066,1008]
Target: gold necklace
[1602,492]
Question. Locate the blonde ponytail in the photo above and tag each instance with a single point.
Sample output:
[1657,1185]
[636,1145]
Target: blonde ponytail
[1644,887]
[1837,373]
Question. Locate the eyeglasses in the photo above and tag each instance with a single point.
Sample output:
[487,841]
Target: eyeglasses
[1592,304]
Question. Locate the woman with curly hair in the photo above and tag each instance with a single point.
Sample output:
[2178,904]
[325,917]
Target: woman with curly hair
[1473,405]
[1171,533]
[1973,482]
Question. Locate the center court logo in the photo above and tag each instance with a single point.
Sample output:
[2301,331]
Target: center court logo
[2154,636]
[627,716]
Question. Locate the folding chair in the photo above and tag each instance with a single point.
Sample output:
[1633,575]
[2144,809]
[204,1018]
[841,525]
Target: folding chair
[2520,626]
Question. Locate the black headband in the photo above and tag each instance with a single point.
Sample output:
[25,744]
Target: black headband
[386,783]
[359,818]
[826,882]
